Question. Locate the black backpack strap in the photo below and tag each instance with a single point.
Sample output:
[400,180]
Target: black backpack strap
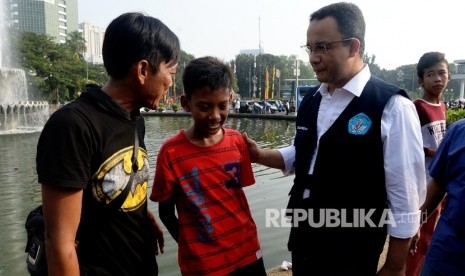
[119,200]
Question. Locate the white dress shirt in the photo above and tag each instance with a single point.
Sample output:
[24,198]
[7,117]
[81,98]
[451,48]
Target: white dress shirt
[402,146]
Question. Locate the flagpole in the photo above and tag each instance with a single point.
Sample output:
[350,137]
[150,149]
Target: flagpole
[259,37]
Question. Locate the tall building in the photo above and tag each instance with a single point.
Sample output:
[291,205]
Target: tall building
[93,35]
[56,18]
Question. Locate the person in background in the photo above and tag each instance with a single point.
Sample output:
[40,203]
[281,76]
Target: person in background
[357,154]
[201,172]
[84,158]
[433,77]
[446,252]
[236,105]
[286,107]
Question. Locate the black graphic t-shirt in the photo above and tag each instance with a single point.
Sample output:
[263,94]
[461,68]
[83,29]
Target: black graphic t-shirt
[88,145]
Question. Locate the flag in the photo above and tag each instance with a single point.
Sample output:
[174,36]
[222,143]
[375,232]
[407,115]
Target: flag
[267,83]
[272,81]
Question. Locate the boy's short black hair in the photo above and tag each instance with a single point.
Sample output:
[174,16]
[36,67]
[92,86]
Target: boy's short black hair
[206,72]
[428,60]
[132,37]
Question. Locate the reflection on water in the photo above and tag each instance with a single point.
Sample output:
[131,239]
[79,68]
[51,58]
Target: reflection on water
[20,191]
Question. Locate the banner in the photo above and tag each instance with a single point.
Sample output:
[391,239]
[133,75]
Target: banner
[272,81]
[267,83]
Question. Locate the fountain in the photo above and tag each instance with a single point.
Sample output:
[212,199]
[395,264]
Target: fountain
[17,112]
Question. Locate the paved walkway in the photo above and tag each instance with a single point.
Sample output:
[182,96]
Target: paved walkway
[277,271]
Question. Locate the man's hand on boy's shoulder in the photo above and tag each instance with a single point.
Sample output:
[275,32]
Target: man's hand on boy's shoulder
[254,149]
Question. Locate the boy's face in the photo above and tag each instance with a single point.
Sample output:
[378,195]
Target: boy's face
[435,79]
[209,109]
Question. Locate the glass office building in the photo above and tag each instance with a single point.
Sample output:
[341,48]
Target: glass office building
[56,18]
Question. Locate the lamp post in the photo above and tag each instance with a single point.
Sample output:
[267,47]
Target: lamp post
[87,71]
[449,95]
[278,75]
[87,66]
[400,78]
[413,82]
[250,82]
[254,78]
[260,81]
[296,74]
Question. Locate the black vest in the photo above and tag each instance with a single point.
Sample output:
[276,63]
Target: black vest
[348,175]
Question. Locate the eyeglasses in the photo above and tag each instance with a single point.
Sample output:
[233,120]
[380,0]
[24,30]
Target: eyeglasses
[321,48]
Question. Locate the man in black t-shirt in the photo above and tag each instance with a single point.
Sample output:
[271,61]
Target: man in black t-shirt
[84,158]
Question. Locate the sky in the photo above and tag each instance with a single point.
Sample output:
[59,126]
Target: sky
[398,32]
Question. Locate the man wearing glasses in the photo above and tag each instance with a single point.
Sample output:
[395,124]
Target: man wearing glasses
[357,157]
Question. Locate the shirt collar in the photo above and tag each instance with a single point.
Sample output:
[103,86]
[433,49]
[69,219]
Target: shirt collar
[354,86]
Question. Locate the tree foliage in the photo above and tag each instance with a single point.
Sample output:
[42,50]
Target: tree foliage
[178,88]
[60,72]
[76,43]
[251,74]
[453,115]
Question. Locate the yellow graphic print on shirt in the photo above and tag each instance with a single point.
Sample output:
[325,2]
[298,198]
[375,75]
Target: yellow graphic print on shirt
[113,176]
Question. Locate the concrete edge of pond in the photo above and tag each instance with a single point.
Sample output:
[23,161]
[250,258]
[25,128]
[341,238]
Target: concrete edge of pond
[290,117]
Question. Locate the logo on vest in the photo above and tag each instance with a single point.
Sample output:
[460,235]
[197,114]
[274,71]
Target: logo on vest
[359,124]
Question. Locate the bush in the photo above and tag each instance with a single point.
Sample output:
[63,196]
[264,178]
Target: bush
[453,115]
[161,107]
[175,107]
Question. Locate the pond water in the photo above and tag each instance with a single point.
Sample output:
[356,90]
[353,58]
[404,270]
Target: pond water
[21,192]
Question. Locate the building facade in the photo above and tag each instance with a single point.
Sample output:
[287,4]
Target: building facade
[56,18]
[93,35]
[253,52]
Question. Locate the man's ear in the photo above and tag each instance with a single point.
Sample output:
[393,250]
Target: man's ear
[355,47]
[185,103]
[143,70]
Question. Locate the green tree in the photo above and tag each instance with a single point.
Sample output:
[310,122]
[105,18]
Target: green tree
[54,68]
[60,72]
[248,67]
[76,43]
[244,75]
[178,88]
[95,74]
[371,61]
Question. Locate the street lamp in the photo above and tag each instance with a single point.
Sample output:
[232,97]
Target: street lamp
[254,79]
[451,93]
[87,71]
[400,78]
[296,74]
[278,75]
[260,81]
